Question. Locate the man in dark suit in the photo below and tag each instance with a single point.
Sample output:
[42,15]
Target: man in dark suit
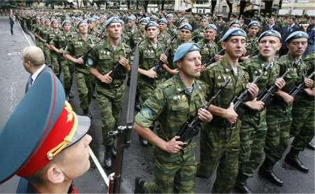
[34,63]
[272,25]
[286,31]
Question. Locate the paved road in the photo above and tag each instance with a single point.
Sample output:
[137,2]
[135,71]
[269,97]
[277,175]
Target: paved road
[137,160]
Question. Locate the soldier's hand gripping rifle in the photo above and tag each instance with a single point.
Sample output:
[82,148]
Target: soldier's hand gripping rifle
[158,65]
[297,89]
[118,71]
[212,60]
[267,94]
[123,131]
[191,128]
[238,100]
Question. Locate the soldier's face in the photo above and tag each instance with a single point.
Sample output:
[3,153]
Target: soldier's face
[253,30]
[169,20]
[184,34]
[83,28]
[67,27]
[162,26]
[190,65]
[235,46]
[152,32]
[268,46]
[297,46]
[210,34]
[114,30]
[142,26]
[204,23]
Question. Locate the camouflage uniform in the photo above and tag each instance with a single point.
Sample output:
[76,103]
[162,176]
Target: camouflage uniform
[252,45]
[207,50]
[136,38]
[220,142]
[164,37]
[171,29]
[148,57]
[172,104]
[303,113]
[198,34]
[44,33]
[37,30]
[254,127]
[109,96]
[279,118]
[54,56]
[77,48]
[67,67]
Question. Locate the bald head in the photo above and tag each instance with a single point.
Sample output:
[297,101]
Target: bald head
[33,55]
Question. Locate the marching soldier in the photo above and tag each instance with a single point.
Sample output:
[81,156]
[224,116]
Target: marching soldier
[163,37]
[150,54]
[279,118]
[110,89]
[252,40]
[171,28]
[76,49]
[219,140]
[207,44]
[254,127]
[59,45]
[199,33]
[140,34]
[172,104]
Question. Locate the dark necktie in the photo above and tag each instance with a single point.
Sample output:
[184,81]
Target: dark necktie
[29,83]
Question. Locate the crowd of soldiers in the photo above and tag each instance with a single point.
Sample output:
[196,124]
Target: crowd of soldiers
[265,57]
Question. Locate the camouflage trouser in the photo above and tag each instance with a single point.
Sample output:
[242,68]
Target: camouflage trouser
[279,121]
[47,56]
[252,141]
[54,58]
[174,173]
[110,106]
[84,83]
[40,45]
[68,71]
[303,125]
[145,90]
[220,147]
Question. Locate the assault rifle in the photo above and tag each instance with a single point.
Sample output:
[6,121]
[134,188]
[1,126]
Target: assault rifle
[123,131]
[267,94]
[158,65]
[212,60]
[238,100]
[118,71]
[296,89]
[191,128]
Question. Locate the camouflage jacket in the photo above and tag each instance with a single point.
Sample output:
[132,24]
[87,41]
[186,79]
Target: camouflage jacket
[207,50]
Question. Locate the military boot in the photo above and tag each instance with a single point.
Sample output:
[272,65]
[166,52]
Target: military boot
[241,185]
[143,142]
[292,158]
[108,158]
[139,185]
[266,171]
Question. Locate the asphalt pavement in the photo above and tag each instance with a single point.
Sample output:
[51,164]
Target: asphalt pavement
[137,159]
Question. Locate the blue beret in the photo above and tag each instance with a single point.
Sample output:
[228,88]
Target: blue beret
[183,19]
[169,15]
[144,20]
[153,17]
[112,20]
[204,17]
[234,22]
[131,18]
[186,27]
[81,22]
[270,33]
[233,32]
[163,21]
[297,34]
[64,22]
[211,26]
[183,49]
[96,17]
[151,24]
[254,23]
[91,19]
[54,20]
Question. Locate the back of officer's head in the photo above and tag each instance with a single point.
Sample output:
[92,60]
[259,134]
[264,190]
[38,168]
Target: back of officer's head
[34,55]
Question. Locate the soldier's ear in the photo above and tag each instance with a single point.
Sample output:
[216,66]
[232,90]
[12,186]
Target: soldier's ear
[54,174]
[179,64]
[223,44]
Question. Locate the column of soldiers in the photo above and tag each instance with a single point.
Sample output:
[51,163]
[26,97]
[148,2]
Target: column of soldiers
[175,82]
